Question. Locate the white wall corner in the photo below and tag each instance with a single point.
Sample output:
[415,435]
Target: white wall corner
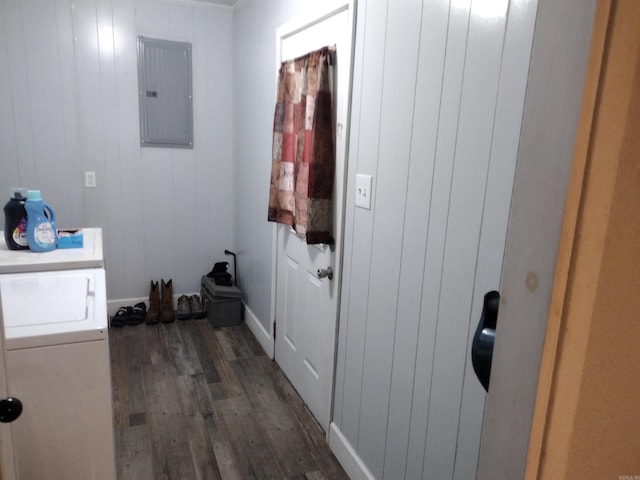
[265,338]
[347,456]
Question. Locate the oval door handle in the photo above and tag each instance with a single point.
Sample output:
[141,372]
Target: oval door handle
[10,409]
[328,273]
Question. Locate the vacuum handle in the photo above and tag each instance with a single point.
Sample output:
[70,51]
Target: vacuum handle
[235,273]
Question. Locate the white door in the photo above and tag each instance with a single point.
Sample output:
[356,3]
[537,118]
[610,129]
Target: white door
[306,305]
[7,458]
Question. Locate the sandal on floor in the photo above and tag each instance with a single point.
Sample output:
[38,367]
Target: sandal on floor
[121,317]
[138,314]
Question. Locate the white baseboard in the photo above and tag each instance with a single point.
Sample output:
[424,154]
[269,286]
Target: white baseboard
[347,456]
[264,337]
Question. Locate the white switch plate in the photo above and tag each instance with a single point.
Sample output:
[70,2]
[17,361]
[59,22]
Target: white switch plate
[90,179]
[363,191]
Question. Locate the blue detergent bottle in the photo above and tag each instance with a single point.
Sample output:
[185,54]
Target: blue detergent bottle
[42,235]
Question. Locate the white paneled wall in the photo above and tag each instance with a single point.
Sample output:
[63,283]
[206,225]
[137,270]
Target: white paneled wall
[69,104]
[438,99]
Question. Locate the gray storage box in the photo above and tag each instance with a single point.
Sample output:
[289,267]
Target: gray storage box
[224,304]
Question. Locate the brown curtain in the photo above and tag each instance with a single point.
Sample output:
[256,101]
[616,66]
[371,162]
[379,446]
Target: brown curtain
[303,157]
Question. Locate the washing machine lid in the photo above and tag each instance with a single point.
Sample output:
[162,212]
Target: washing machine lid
[66,305]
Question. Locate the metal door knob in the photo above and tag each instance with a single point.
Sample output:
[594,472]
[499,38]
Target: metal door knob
[10,409]
[328,273]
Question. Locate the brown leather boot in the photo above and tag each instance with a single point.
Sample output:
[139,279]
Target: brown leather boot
[153,314]
[166,304]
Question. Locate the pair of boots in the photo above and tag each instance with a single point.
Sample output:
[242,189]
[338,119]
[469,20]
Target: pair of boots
[160,308]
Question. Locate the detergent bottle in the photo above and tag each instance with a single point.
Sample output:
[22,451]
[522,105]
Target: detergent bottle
[15,220]
[41,223]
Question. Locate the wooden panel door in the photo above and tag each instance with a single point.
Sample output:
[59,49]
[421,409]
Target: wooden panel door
[306,305]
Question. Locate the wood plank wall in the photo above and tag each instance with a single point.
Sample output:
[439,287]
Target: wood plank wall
[436,117]
[68,104]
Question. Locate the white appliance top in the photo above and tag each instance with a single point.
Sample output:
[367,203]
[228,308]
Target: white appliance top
[22,261]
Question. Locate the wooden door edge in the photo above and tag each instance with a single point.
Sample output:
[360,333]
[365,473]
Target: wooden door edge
[591,91]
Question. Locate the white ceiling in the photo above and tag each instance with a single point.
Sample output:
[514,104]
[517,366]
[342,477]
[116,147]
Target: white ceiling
[227,3]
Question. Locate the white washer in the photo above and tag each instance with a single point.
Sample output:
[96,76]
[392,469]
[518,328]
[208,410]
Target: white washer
[57,360]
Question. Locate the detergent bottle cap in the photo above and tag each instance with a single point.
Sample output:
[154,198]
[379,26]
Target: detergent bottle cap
[19,193]
[34,195]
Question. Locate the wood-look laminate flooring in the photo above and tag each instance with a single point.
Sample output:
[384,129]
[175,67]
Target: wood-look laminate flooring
[196,402]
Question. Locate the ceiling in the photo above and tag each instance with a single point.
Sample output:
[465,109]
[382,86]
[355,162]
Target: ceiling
[227,3]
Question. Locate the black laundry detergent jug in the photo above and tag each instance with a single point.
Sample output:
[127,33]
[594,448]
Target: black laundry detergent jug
[15,220]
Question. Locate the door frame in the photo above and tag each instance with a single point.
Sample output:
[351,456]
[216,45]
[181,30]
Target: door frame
[582,411]
[328,9]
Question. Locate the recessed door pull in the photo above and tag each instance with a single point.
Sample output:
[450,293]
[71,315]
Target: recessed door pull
[484,338]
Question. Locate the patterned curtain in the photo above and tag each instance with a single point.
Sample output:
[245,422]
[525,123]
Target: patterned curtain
[303,158]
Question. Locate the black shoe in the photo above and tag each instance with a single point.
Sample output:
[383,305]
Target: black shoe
[138,314]
[220,268]
[121,317]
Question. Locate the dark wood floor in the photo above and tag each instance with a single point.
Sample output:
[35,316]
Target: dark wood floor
[196,402]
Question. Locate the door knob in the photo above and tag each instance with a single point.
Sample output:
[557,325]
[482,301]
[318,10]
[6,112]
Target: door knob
[322,273]
[484,338]
[10,409]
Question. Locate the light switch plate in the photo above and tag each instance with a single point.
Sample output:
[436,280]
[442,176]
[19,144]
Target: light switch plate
[90,179]
[363,191]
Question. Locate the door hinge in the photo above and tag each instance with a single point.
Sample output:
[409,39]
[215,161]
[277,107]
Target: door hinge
[274,329]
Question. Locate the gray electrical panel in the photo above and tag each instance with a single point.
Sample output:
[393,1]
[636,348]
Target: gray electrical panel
[165,93]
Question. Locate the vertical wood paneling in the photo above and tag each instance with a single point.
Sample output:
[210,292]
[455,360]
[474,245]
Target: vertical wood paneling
[108,168]
[218,162]
[396,116]
[69,77]
[73,161]
[359,252]
[45,102]
[423,143]
[203,110]
[129,164]
[90,123]
[9,167]
[21,112]
[158,205]
[504,151]
[475,126]
[407,318]
[455,51]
